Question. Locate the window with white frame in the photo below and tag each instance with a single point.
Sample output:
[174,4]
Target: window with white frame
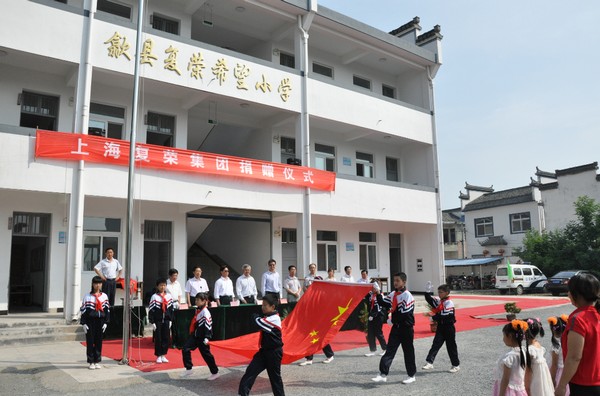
[160,129]
[326,250]
[449,236]
[288,235]
[367,250]
[165,24]
[361,82]
[484,226]
[322,70]
[288,149]
[287,60]
[388,91]
[99,234]
[364,165]
[115,8]
[106,120]
[520,222]
[391,169]
[38,111]
[324,157]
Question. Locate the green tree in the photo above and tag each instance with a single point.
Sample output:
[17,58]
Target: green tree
[576,246]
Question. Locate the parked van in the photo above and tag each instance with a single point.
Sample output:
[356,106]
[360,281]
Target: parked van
[525,278]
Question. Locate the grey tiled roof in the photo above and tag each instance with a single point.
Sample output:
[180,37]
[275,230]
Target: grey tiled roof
[501,198]
[539,172]
[478,188]
[577,169]
[494,241]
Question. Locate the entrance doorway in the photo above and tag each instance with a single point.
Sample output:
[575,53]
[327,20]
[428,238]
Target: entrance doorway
[157,252]
[395,254]
[28,262]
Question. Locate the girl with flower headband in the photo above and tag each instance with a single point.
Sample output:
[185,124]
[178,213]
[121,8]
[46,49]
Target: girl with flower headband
[538,379]
[557,327]
[510,373]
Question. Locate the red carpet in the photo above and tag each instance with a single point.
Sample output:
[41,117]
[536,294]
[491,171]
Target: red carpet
[142,350]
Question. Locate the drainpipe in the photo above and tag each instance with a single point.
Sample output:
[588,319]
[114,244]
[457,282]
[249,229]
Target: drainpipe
[438,206]
[81,121]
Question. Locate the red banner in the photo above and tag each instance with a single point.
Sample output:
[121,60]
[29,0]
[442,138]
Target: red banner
[316,319]
[75,147]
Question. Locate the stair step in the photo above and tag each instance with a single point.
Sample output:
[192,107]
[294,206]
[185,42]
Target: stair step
[43,339]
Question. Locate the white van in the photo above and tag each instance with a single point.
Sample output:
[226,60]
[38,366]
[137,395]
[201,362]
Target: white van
[525,278]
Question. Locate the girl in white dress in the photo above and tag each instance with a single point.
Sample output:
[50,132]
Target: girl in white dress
[557,326]
[538,379]
[510,372]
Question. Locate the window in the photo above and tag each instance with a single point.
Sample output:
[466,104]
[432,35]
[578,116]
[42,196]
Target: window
[288,149]
[484,227]
[288,235]
[38,111]
[367,250]
[326,250]
[160,129]
[537,272]
[114,8]
[520,222]
[324,157]
[99,233]
[388,91]
[449,236]
[517,271]
[165,24]
[391,169]
[287,60]
[106,121]
[364,165]
[361,82]
[30,224]
[322,70]
[527,272]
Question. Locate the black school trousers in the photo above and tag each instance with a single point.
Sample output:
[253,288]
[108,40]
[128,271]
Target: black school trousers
[93,340]
[444,333]
[264,359]
[375,331]
[161,338]
[400,335]
[191,344]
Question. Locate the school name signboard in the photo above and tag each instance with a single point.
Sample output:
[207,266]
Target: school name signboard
[76,147]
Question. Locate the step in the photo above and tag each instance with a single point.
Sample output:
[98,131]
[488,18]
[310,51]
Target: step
[43,339]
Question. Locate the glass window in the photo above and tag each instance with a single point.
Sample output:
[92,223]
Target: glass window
[322,70]
[391,169]
[367,250]
[324,157]
[288,235]
[114,8]
[484,227]
[449,236]
[106,120]
[364,165]
[527,271]
[517,271]
[361,82]
[520,222]
[160,129]
[165,24]
[288,149]
[287,60]
[326,250]
[537,272]
[388,91]
[101,224]
[38,111]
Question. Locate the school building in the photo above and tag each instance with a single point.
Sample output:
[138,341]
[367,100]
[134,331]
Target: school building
[265,129]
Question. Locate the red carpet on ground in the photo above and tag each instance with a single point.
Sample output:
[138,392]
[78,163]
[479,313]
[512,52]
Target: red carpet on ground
[142,350]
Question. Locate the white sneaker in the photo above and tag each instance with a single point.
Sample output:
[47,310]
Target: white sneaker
[370,354]
[186,373]
[98,366]
[428,366]
[328,360]
[379,378]
[213,377]
[92,366]
[159,360]
[164,359]
[454,369]
[382,353]
[306,363]
[409,380]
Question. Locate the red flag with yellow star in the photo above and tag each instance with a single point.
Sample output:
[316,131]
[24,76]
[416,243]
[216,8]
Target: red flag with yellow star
[318,316]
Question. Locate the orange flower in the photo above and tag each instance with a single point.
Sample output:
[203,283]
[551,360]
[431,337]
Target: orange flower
[552,320]
[564,318]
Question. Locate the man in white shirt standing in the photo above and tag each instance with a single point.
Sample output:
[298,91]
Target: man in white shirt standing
[364,277]
[312,275]
[347,277]
[271,281]
[109,269]
[246,286]
[195,285]
[224,288]
[174,288]
[292,285]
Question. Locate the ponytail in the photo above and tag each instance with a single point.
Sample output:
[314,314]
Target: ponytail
[518,329]
[557,325]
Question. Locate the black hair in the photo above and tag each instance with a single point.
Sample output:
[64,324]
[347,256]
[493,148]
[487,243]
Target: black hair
[202,296]
[271,299]
[271,261]
[444,287]
[586,287]
[173,271]
[347,267]
[534,328]
[95,280]
[515,330]
[223,268]
[161,280]
[109,248]
[557,329]
[291,266]
[400,275]
[364,272]
[196,267]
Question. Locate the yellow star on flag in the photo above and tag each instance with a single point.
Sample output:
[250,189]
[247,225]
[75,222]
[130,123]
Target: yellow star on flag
[314,340]
[313,333]
[341,310]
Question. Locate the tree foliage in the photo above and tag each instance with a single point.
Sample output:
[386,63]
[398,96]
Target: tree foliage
[576,246]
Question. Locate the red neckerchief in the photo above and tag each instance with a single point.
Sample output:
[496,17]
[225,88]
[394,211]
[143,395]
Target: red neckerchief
[98,302]
[194,321]
[372,300]
[440,306]
[163,295]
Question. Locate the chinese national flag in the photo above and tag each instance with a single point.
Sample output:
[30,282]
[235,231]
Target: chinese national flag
[314,322]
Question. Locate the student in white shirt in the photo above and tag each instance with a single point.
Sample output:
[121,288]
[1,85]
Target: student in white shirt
[224,288]
[347,277]
[245,286]
[195,285]
[271,281]
[174,288]
[364,277]
[292,285]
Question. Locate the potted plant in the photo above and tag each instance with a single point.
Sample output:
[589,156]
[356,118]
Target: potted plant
[501,251]
[486,252]
[433,324]
[511,310]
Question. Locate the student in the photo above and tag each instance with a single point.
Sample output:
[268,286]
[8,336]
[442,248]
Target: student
[557,327]
[292,285]
[347,277]
[402,305]
[95,314]
[271,350]
[364,277]
[377,315]
[443,314]
[510,372]
[224,288]
[200,334]
[160,315]
[538,380]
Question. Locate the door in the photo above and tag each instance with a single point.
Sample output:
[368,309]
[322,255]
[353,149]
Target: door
[395,254]
[157,252]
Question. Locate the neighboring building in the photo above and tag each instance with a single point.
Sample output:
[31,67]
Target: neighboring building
[454,234]
[252,89]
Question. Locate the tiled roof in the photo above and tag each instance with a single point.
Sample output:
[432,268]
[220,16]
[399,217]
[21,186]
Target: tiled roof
[478,188]
[494,241]
[577,169]
[539,172]
[501,198]
[548,186]
[431,35]
[414,24]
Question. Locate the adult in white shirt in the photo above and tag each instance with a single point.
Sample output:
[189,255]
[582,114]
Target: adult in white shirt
[174,288]
[347,277]
[245,286]
[330,275]
[109,269]
[224,288]
[292,285]
[195,285]
[312,275]
[271,281]
[364,277]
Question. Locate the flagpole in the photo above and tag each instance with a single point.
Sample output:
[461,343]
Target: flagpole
[130,179]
